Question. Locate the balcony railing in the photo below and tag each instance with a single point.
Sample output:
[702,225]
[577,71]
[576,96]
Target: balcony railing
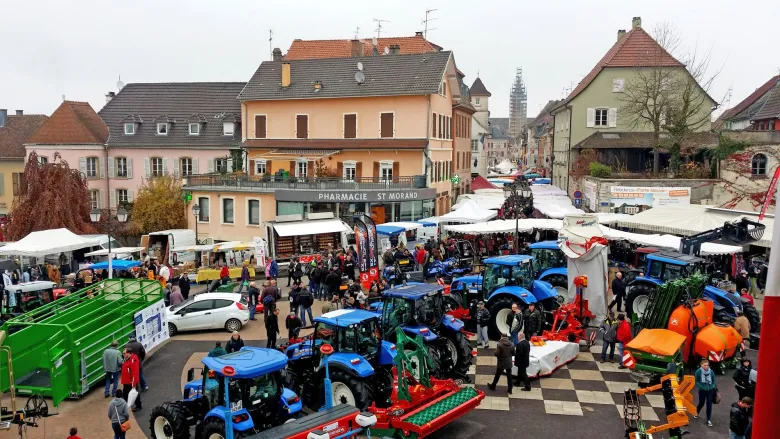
[271,183]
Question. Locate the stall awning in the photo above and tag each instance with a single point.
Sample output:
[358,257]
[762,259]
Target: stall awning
[116,264]
[394,227]
[384,229]
[301,228]
[233,246]
[115,251]
[48,242]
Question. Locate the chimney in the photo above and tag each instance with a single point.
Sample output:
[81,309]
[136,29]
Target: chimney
[395,49]
[20,112]
[356,48]
[418,34]
[110,95]
[286,74]
[636,22]
[276,54]
[621,33]
[3,117]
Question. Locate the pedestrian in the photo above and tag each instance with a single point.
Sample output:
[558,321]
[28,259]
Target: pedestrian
[624,336]
[744,379]
[349,267]
[522,359]
[235,343]
[272,328]
[184,285]
[74,432]
[217,350]
[176,296]
[268,270]
[609,337]
[742,325]
[483,321]
[746,296]
[293,296]
[754,271]
[244,282]
[224,274]
[138,349]
[333,282]
[739,418]
[274,269]
[315,278]
[305,301]
[533,321]
[131,376]
[705,382]
[742,281]
[293,324]
[269,297]
[290,270]
[254,299]
[118,414]
[326,307]
[165,274]
[618,291]
[514,321]
[504,351]
[112,365]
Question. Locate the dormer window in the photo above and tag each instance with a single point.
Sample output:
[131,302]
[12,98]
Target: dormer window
[129,129]
[228,128]
[194,129]
[162,129]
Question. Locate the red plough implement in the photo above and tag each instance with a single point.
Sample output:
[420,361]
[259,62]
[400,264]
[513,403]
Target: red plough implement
[571,320]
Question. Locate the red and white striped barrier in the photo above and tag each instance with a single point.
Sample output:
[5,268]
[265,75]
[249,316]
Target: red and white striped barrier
[628,360]
[717,357]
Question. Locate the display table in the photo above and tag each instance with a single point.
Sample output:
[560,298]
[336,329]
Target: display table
[209,274]
[545,359]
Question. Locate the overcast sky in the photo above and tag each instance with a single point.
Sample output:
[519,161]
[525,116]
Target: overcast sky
[79,48]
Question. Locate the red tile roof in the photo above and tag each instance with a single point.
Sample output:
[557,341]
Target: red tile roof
[72,123]
[319,49]
[635,49]
[15,133]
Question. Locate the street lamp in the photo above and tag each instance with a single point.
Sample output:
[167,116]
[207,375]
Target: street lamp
[196,214]
[121,216]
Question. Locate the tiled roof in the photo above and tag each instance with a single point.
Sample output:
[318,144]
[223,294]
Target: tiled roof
[635,49]
[386,143]
[642,140]
[72,123]
[319,49]
[478,88]
[544,115]
[750,100]
[391,75]
[177,103]
[771,107]
[499,127]
[15,133]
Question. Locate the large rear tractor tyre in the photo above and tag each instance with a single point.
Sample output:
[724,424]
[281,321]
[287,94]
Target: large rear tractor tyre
[347,389]
[721,316]
[561,284]
[637,300]
[169,421]
[753,317]
[499,311]
[458,342]
[213,428]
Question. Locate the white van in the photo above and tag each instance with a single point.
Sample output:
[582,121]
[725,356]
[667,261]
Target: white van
[161,245]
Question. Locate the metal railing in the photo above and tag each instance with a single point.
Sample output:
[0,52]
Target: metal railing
[312,183]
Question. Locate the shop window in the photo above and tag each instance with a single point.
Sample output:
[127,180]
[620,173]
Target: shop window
[758,165]
[227,211]
[253,212]
[289,208]
[204,203]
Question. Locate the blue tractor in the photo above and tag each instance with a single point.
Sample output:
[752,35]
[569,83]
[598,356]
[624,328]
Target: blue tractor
[550,265]
[664,266]
[419,309]
[360,366]
[243,389]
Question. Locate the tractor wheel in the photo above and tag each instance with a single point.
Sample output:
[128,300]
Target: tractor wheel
[561,284]
[169,421]
[351,390]
[638,299]
[213,428]
[457,343]
[753,317]
[172,329]
[499,311]
[722,316]
[434,361]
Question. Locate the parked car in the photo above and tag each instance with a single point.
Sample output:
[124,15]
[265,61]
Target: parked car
[228,311]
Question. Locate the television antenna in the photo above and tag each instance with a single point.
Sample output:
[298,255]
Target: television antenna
[271,43]
[427,20]
[379,26]
[357,32]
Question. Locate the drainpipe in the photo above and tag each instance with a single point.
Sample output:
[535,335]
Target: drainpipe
[108,188]
[568,159]
[427,152]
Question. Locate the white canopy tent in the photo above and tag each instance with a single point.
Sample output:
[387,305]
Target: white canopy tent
[195,248]
[489,201]
[469,212]
[506,166]
[505,226]
[48,242]
[116,251]
[313,227]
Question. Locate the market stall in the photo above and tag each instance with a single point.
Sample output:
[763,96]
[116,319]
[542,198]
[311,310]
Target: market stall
[123,251]
[305,239]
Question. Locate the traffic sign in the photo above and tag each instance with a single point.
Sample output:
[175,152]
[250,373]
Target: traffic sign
[577,202]
[455,179]
[577,194]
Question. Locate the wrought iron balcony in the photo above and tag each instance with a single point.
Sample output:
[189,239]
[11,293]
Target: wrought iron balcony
[271,183]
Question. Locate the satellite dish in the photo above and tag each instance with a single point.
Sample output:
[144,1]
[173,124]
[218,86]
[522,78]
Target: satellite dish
[360,77]
[360,66]
[120,85]
[387,50]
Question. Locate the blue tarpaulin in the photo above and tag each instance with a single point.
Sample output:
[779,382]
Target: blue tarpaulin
[389,230]
[116,264]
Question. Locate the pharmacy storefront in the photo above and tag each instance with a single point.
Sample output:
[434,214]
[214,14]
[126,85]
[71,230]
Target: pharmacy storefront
[382,205]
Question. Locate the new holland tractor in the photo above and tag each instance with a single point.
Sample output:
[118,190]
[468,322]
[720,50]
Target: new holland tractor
[550,265]
[244,389]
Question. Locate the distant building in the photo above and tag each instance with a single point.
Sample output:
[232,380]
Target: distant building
[499,144]
[540,139]
[518,106]
[760,111]
[321,49]
[15,130]
[480,128]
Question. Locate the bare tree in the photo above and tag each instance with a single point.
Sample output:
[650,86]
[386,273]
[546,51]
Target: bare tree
[670,97]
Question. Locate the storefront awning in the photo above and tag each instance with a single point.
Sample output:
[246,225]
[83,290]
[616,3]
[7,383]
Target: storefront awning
[301,228]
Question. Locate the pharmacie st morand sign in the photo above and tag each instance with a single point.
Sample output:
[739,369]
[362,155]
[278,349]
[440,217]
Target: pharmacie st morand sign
[355,196]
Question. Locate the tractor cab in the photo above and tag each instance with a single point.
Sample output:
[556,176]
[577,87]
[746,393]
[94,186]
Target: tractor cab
[550,265]
[27,296]
[666,266]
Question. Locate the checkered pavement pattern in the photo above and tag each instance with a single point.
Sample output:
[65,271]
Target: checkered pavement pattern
[584,387]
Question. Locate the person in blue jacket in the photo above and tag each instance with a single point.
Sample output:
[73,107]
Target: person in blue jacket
[274,271]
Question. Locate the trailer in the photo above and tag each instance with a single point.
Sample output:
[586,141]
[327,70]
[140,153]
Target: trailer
[57,349]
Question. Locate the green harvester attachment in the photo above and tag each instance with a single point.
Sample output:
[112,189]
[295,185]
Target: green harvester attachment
[669,295]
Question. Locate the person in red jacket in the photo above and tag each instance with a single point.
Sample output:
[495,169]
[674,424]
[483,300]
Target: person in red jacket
[623,336]
[130,376]
[224,274]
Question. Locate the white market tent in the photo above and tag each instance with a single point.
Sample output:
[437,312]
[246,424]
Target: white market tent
[48,242]
[505,226]
[313,227]
[115,251]
[506,166]
[469,212]
[489,201]
[195,248]
[692,219]
[230,246]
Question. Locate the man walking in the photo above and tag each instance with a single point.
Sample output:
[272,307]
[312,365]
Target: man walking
[184,285]
[112,365]
[618,291]
[515,322]
[483,320]
[522,359]
[272,328]
[244,277]
[138,349]
[269,297]
[705,382]
[739,419]
[131,376]
[333,282]
[254,299]
[504,351]
[305,301]
[533,321]
[609,337]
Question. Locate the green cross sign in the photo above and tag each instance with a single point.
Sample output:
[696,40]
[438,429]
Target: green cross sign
[455,179]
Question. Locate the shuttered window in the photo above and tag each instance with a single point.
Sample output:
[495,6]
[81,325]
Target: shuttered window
[386,125]
[350,126]
[260,126]
[302,126]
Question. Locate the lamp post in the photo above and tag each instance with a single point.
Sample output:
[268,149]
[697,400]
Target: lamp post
[121,216]
[519,193]
[196,214]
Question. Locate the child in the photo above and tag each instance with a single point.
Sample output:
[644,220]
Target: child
[74,433]
[293,324]
[272,328]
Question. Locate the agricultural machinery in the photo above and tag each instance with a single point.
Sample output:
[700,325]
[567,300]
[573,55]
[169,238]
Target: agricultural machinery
[550,265]
[242,390]
[678,402]
[571,319]
[448,269]
[394,274]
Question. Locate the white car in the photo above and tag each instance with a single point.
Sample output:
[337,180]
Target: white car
[209,311]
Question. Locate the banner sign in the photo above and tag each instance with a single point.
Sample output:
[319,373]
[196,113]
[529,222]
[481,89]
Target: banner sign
[151,325]
[631,200]
[361,241]
[368,250]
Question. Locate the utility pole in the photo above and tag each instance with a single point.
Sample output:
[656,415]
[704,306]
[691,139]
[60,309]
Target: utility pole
[379,22]
[427,20]
[271,44]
